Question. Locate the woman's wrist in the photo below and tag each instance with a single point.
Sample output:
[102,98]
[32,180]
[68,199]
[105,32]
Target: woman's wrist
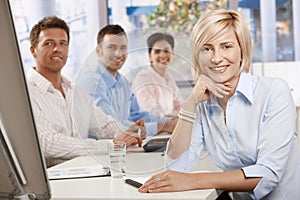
[187,116]
[190,104]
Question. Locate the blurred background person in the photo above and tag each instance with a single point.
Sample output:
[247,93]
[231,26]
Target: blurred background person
[111,90]
[154,87]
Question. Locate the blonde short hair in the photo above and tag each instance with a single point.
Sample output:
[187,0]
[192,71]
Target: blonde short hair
[217,21]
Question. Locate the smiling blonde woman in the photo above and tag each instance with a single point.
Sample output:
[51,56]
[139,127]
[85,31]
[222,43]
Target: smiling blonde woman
[245,123]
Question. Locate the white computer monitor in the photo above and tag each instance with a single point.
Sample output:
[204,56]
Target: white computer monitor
[22,166]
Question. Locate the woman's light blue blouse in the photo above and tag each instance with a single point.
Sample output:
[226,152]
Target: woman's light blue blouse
[259,137]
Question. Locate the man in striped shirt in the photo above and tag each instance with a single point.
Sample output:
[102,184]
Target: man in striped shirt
[64,113]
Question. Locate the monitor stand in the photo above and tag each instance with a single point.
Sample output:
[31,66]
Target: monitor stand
[15,175]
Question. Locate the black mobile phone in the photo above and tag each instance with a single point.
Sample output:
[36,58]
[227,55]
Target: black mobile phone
[156,144]
[133,183]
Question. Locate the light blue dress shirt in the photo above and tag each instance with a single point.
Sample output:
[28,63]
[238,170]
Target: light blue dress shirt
[259,137]
[115,98]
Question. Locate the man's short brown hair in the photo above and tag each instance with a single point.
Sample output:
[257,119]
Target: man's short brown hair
[47,23]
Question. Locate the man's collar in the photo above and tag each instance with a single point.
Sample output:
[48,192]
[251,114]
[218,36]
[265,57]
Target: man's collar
[108,78]
[42,83]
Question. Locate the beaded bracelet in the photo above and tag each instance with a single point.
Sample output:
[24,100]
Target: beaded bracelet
[185,118]
[188,114]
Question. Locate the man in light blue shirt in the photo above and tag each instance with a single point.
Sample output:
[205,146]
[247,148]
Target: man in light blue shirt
[110,90]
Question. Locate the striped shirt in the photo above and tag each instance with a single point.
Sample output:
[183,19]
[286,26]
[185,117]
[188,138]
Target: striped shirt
[63,123]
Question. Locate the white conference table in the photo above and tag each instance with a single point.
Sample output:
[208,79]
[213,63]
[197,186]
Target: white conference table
[138,164]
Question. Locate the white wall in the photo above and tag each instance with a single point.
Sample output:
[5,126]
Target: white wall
[289,71]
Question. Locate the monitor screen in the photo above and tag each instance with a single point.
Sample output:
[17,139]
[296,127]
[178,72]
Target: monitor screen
[22,166]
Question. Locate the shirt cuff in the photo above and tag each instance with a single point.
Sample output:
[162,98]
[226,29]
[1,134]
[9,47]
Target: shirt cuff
[266,184]
[179,164]
[102,146]
[151,128]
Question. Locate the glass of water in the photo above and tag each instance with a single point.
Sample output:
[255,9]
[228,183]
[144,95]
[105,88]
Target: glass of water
[117,158]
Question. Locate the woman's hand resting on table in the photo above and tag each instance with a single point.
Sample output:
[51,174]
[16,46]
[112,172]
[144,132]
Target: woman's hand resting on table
[169,181]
